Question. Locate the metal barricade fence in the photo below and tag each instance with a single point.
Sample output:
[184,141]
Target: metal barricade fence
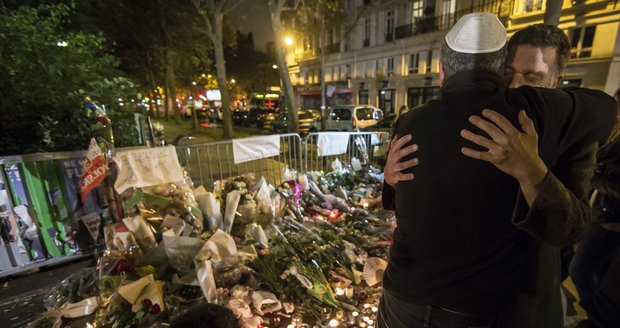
[212,161]
[367,147]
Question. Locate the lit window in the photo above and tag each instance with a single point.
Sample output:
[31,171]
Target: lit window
[414,62]
[533,5]
[581,41]
[389,26]
[390,65]
[429,62]
[366,32]
[417,9]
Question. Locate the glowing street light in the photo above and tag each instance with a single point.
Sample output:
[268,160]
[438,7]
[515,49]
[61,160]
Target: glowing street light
[233,81]
[288,41]
[274,66]
[193,82]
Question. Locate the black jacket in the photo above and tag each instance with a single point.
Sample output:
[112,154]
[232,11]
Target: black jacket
[456,245]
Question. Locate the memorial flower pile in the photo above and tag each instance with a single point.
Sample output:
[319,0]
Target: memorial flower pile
[309,251]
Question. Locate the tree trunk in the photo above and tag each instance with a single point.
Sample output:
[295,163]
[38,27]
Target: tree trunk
[323,102]
[171,94]
[553,12]
[194,119]
[166,92]
[289,95]
[220,64]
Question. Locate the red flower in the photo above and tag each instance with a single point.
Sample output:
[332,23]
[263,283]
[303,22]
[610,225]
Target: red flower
[146,303]
[155,309]
[104,120]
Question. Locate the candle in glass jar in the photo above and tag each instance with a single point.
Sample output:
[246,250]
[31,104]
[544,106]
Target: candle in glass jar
[349,292]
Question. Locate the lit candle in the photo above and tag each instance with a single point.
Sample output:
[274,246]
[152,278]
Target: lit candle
[355,314]
[370,321]
[349,292]
[365,205]
[333,323]
[327,312]
[339,291]
[374,309]
[362,325]
[365,319]
[290,325]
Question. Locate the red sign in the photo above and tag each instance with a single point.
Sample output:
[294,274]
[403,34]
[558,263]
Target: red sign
[94,169]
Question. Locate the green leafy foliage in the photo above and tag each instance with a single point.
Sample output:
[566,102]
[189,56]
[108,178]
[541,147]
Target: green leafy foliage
[45,72]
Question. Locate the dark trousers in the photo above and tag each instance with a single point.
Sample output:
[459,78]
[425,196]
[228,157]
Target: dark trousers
[394,313]
[595,270]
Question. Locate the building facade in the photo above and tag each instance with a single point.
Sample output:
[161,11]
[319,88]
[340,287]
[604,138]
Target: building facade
[386,52]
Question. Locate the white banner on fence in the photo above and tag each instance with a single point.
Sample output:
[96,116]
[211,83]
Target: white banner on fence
[249,149]
[147,167]
[332,143]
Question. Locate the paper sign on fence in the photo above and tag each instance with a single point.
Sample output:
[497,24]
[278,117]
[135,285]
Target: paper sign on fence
[92,221]
[249,149]
[94,170]
[332,143]
[147,167]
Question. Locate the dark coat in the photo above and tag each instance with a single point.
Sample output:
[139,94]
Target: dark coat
[562,137]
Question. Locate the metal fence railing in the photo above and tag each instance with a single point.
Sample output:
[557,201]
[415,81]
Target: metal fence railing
[209,162]
[367,147]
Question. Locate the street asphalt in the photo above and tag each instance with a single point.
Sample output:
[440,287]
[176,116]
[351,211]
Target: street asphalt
[21,296]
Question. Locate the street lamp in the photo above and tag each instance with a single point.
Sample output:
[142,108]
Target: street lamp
[288,41]
[274,66]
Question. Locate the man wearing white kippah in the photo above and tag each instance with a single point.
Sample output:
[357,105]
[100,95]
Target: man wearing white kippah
[457,254]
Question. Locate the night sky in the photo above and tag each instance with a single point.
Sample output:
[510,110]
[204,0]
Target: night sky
[253,16]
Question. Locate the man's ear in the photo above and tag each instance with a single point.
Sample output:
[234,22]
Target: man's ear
[442,73]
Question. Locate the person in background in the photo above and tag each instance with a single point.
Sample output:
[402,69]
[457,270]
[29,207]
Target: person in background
[522,308]
[595,269]
[402,110]
[206,315]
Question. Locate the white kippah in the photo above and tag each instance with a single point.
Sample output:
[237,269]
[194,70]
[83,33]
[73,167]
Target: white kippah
[477,33]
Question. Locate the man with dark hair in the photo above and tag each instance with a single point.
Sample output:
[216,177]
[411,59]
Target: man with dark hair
[457,256]
[537,56]
[206,315]
[543,51]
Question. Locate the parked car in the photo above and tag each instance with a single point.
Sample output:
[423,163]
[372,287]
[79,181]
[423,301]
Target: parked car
[385,124]
[265,121]
[260,117]
[349,118]
[239,116]
[207,113]
[305,118]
